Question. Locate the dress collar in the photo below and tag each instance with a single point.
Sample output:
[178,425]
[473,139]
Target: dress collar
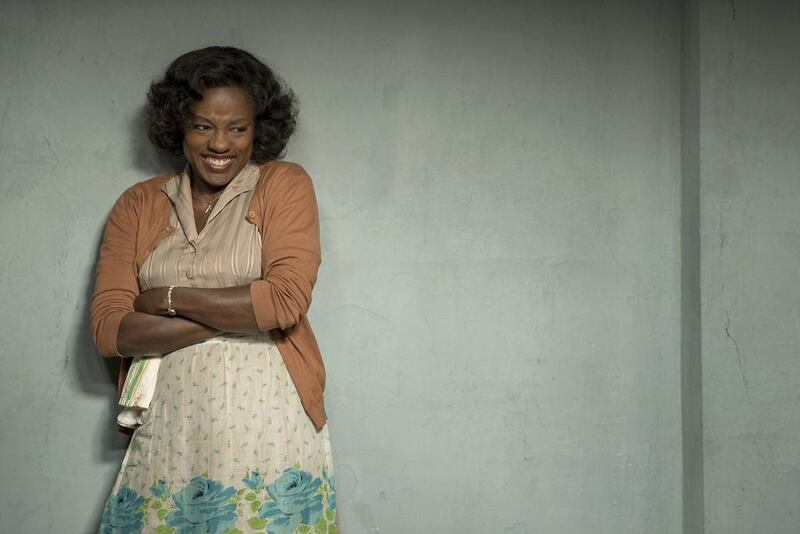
[178,189]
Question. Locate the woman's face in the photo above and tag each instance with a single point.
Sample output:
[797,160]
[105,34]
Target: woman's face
[218,142]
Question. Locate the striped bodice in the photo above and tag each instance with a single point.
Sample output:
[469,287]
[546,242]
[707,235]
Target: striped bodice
[226,253]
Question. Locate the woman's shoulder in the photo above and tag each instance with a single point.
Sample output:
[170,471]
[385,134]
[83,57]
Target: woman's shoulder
[146,190]
[282,181]
[281,168]
[282,175]
[151,185]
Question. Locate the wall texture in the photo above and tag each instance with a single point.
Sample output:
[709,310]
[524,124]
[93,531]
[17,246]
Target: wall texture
[499,304]
[751,249]
[691,253]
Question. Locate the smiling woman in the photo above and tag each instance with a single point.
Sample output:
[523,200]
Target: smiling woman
[219,140]
[202,286]
[218,143]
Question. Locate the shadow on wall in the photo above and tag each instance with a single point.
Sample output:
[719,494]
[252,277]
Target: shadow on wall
[95,373]
[97,376]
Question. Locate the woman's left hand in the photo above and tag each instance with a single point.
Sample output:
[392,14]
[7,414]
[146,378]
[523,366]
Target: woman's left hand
[152,301]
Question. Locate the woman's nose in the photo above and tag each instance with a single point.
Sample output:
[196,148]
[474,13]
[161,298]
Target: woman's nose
[219,141]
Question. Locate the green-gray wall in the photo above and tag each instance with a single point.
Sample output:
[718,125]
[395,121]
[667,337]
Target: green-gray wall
[691,315]
[750,220]
[503,304]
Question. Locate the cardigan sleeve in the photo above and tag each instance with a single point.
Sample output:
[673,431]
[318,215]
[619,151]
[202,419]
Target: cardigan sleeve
[290,250]
[116,283]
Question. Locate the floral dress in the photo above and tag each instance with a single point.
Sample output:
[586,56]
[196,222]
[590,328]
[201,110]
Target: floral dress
[225,446]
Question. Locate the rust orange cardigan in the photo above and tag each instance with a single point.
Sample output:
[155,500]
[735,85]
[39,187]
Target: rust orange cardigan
[284,209]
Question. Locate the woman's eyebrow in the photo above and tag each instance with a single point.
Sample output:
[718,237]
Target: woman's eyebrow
[233,121]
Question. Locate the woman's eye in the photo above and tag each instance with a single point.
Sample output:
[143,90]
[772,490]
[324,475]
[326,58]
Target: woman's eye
[200,127]
[240,130]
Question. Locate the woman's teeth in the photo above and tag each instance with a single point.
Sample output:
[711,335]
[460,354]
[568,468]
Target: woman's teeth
[218,163]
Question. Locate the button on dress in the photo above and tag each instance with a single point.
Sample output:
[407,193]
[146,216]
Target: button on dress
[225,446]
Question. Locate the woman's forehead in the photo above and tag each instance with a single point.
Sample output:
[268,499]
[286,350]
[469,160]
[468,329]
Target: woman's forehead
[224,103]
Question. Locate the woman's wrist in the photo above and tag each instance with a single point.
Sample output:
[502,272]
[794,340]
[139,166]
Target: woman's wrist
[178,299]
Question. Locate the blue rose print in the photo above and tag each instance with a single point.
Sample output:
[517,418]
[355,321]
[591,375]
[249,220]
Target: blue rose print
[295,500]
[332,487]
[202,506]
[121,514]
[255,481]
[332,494]
[160,488]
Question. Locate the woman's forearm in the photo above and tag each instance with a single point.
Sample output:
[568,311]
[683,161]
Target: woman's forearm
[228,309]
[143,334]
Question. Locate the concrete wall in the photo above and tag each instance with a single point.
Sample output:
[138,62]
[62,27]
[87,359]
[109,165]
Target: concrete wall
[499,304]
[691,254]
[750,255]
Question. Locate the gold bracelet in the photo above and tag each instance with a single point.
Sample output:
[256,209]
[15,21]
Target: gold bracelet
[170,310]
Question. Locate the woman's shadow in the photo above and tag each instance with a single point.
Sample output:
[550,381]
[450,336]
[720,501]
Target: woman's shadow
[97,376]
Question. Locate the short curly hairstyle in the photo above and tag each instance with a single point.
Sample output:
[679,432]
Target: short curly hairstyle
[170,99]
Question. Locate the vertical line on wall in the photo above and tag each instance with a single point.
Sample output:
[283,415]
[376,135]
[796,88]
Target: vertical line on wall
[691,362]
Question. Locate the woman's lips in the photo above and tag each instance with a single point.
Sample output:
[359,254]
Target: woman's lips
[217,164]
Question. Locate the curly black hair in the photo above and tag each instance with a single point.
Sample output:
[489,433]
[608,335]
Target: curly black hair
[170,99]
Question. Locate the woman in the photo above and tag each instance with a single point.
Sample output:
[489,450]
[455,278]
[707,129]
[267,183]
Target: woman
[213,267]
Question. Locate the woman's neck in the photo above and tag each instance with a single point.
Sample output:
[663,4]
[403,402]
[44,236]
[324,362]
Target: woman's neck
[202,190]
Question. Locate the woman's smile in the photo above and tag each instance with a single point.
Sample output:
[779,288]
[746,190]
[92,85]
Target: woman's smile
[218,141]
[216,164]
